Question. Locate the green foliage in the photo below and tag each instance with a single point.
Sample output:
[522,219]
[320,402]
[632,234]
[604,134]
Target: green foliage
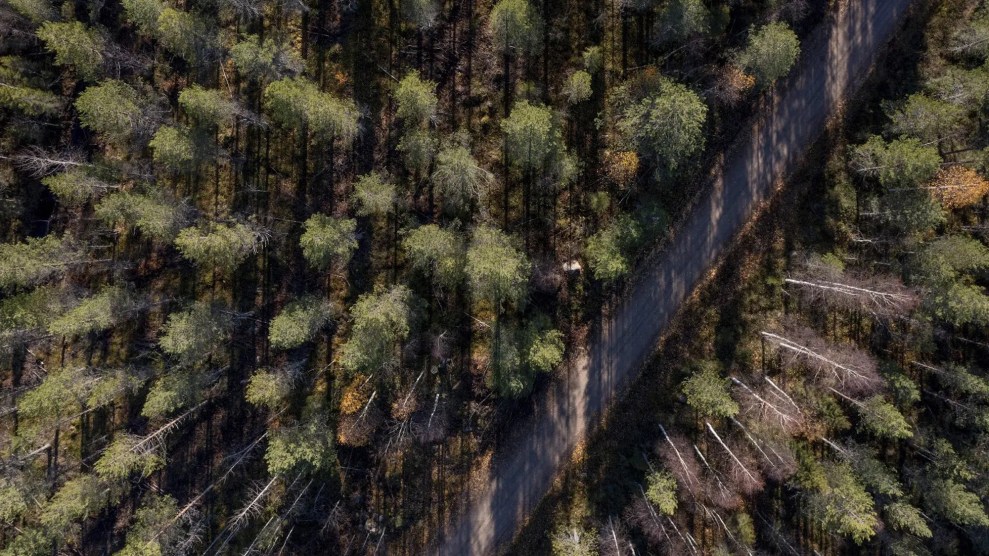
[381,320]
[297,102]
[661,491]
[186,35]
[707,392]
[438,252]
[34,261]
[111,109]
[13,501]
[95,314]
[30,542]
[268,389]
[925,118]
[30,101]
[374,195]
[307,448]
[299,322]
[152,213]
[593,59]
[79,498]
[208,106]
[609,251]
[264,59]
[418,148]
[874,474]
[508,376]
[59,394]
[155,531]
[958,303]
[900,163]
[75,187]
[682,20]
[497,271]
[128,456]
[327,241]
[573,540]
[545,351]
[955,503]
[28,312]
[144,14]
[174,148]
[459,178]
[577,88]
[771,52]
[667,126]
[193,334]
[35,10]
[904,517]
[416,100]
[882,419]
[217,245]
[173,391]
[529,133]
[74,45]
[843,505]
[947,256]
[514,25]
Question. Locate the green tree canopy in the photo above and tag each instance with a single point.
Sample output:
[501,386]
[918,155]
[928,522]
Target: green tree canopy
[35,260]
[707,392]
[294,102]
[174,148]
[152,213]
[882,419]
[328,240]
[194,333]
[498,272]
[438,252]
[843,505]
[186,35]
[381,320]
[299,322]
[74,45]
[529,135]
[577,88]
[111,109]
[144,14]
[901,163]
[416,100]
[667,126]
[772,51]
[374,195]
[459,178]
[96,313]
[76,186]
[609,251]
[222,246]
[208,106]
[514,25]
[304,448]
[264,59]
[661,491]
[925,118]
[682,20]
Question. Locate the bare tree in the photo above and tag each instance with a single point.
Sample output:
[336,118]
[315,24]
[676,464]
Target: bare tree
[881,296]
[845,367]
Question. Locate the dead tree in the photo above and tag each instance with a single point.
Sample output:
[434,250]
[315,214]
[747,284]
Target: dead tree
[847,367]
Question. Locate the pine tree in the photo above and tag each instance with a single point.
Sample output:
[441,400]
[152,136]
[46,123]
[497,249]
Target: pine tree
[667,126]
[381,320]
[772,51]
[328,241]
[416,100]
[75,45]
[437,251]
[497,272]
[111,109]
[299,322]
[219,246]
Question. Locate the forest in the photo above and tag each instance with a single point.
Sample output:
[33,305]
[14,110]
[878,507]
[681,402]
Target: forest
[281,277]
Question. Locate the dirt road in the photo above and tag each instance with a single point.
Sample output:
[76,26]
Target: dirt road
[835,60]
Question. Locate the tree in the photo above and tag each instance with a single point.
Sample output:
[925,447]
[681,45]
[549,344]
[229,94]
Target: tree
[79,498]
[195,333]
[219,246]
[421,13]
[37,11]
[681,20]
[661,491]
[327,241]
[496,270]
[174,148]
[76,186]
[925,118]
[186,35]
[268,389]
[460,179]
[36,260]
[129,455]
[299,322]
[903,163]
[667,126]
[23,314]
[208,106]
[439,252]
[529,133]
[573,540]
[843,505]
[304,448]
[545,350]
[515,25]
[264,59]
[959,187]
[577,88]
[152,213]
[608,251]
[416,100]
[144,14]
[381,320]
[882,419]
[95,314]
[296,102]
[954,502]
[158,527]
[374,195]
[771,52]
[707,392]
[74,45]
[418,147]
[111,109]
[904,517]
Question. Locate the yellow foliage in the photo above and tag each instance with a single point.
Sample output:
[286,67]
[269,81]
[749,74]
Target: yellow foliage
[958,186]
[354,396]
[621,167]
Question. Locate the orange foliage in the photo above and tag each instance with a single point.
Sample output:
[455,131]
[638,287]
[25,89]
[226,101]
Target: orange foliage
[958,186]
[354,396]
[621,166]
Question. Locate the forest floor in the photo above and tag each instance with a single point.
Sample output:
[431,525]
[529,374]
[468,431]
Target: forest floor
[834,63]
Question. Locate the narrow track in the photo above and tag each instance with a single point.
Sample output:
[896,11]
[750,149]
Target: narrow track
[836,58]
